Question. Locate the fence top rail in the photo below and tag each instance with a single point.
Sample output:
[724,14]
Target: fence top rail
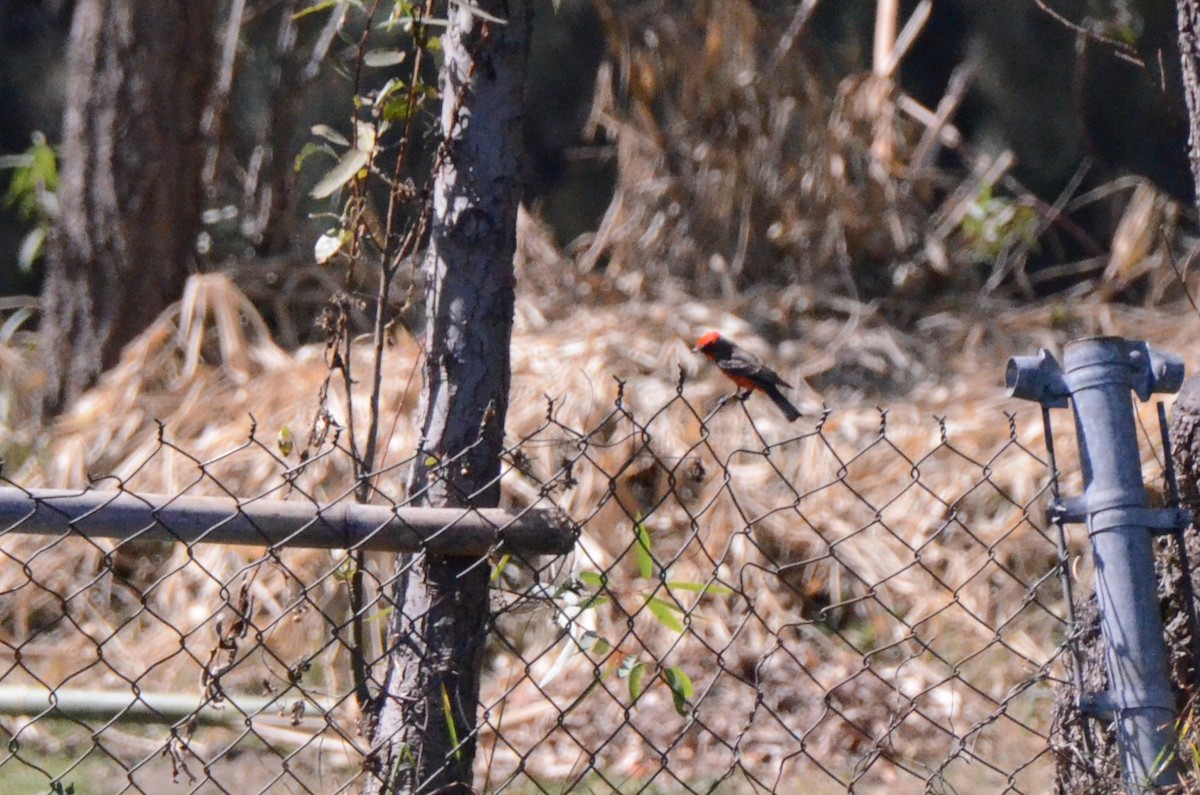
[126,515]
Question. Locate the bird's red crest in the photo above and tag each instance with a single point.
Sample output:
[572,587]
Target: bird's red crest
[707,339]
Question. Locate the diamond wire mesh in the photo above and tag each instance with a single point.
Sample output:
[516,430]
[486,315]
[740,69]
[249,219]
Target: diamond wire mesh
[745,611]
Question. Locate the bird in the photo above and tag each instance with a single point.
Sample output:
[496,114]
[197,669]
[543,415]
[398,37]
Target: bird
[746,370]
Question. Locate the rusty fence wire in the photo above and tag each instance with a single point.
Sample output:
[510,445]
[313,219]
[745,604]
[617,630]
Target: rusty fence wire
[842,604]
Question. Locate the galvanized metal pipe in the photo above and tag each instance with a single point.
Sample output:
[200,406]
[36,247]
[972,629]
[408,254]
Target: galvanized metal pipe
[191,520]
[106,705]
[1099,374]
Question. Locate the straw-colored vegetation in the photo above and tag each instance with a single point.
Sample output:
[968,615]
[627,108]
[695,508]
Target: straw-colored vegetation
[867,614]
[903,551]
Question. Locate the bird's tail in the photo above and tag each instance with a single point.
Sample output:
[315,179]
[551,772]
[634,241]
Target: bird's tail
[791,412]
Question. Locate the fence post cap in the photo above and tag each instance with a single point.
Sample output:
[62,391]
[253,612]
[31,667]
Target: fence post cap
[1038,378]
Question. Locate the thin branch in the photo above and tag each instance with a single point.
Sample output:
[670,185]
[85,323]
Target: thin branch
[1120,48]
[212,123]
[788,39]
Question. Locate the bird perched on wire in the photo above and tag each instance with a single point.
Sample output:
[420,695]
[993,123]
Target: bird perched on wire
[747,371]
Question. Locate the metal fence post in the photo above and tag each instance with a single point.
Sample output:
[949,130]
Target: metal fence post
[1097,376]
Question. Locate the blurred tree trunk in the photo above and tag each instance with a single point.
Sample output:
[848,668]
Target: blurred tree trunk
[130,195]
[259,165]
[1188,12]
[423,737]
[275,220]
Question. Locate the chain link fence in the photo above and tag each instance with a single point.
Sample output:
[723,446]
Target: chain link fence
[844,604]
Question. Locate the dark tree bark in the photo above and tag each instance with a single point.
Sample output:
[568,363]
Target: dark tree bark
[130,195]
[438,631]
[1188,12]
[256,160]
[274,221]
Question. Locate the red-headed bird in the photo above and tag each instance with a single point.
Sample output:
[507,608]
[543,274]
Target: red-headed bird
[747,371]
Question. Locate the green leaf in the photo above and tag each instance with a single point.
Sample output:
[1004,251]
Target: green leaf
[366,135]
[31,248]
[330,134]
[390,87]
[590,641]
[593,579]
[329,244]
[344,570]
[345,170]
[395,109]
[315,8]
[994,223]
[594,601]
[34,175]
[45,162]
[699,587]
[380,58]
[665,612]
[500,565]
[307,151]
[641,551]
[340,69]
[476,11]
[681,688]
[380,614]
[568,651]
[398,108]
[285,441]
[637,675]
[451,729]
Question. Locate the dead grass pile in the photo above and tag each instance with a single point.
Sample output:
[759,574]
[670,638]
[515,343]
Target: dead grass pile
[743,159]
[873,567]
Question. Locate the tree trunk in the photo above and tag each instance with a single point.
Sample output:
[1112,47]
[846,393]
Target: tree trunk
[1188,12]
[437,634]
[276,216]
[130,197]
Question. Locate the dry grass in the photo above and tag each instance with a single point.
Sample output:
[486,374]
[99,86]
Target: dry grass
[914,573]
[876,631]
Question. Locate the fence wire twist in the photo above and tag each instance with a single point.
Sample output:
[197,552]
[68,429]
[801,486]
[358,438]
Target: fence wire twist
[748,608]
